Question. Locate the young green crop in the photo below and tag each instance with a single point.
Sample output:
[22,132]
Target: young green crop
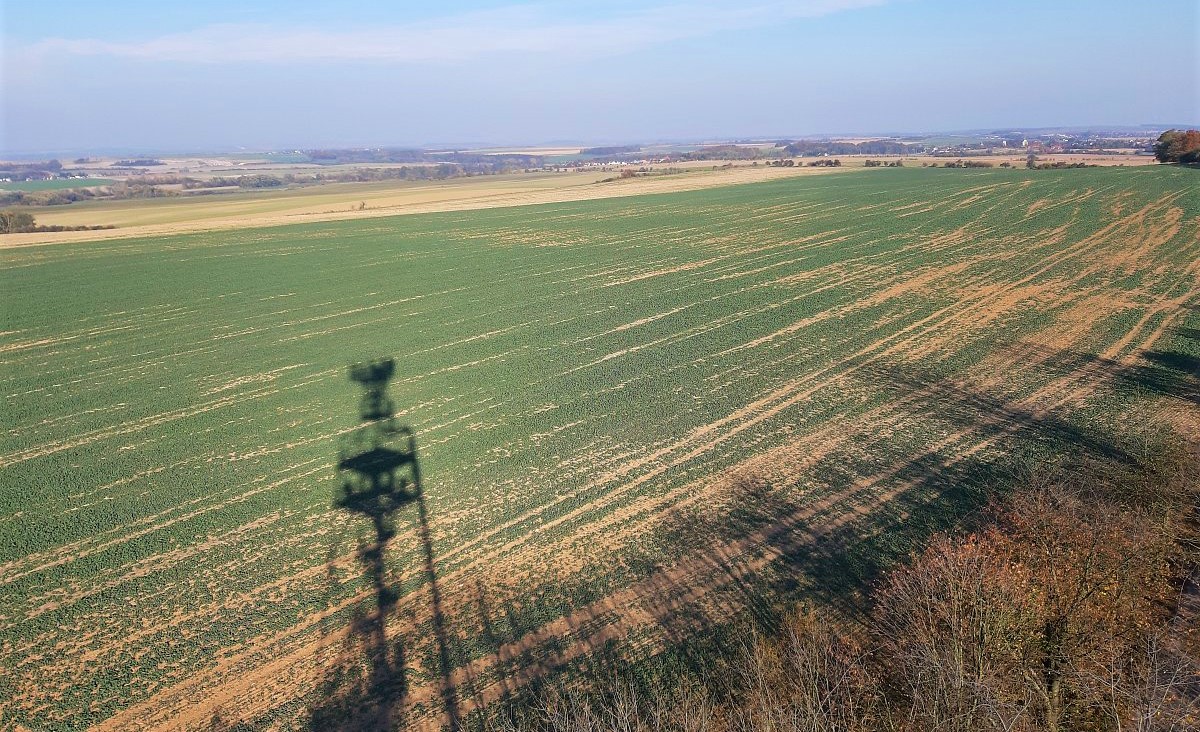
[636,418]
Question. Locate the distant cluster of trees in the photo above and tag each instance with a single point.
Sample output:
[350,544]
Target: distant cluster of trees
[610,150]
[883,163]
[722,152]
[441,171]
[31,171]
[500,162]
[138,163]
[1178,146]
[1058,165]
[367,155]
[960,163]
[1031,162]
[45,198]
[259,181]
[641,172]
[802,148]
[789,163]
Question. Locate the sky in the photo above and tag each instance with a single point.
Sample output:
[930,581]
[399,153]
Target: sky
[163,75]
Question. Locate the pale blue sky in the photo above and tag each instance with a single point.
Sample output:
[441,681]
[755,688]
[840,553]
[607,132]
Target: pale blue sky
[156,75]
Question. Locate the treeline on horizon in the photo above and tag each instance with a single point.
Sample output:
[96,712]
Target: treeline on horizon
[493,162]
[798,149]
[802,148]
[610,150]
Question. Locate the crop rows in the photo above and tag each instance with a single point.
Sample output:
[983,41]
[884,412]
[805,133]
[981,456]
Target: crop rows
[635,418]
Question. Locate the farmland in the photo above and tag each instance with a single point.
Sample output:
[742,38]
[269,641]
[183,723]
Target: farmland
[635,418]
[335,201]
[56,184]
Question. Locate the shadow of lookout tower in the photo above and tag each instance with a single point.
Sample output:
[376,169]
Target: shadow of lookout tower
[377,467]
[379,474]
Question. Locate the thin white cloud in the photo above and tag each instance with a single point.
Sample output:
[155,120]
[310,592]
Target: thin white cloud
[525,29]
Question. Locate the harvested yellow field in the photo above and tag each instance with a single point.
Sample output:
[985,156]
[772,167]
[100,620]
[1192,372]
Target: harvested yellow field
[335,202]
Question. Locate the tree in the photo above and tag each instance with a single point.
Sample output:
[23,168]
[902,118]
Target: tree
[813,678]
[1008,629]
[1096,573]
[13,222]
[1178,146]
[956,626]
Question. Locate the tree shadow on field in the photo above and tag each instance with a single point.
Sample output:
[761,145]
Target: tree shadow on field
[834,530]
[380,479]
[940,485]
[1170,372]
[219,723]
[740,563]
[713,568]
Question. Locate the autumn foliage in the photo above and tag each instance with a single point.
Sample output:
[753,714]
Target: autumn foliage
[1178,146]
[1026,625]
[1063,612]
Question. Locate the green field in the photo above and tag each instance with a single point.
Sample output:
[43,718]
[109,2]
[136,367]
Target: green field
[57,184]
[635,418]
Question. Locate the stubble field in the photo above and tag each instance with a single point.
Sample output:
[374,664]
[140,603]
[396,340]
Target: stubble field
[158,217]
[635,419]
